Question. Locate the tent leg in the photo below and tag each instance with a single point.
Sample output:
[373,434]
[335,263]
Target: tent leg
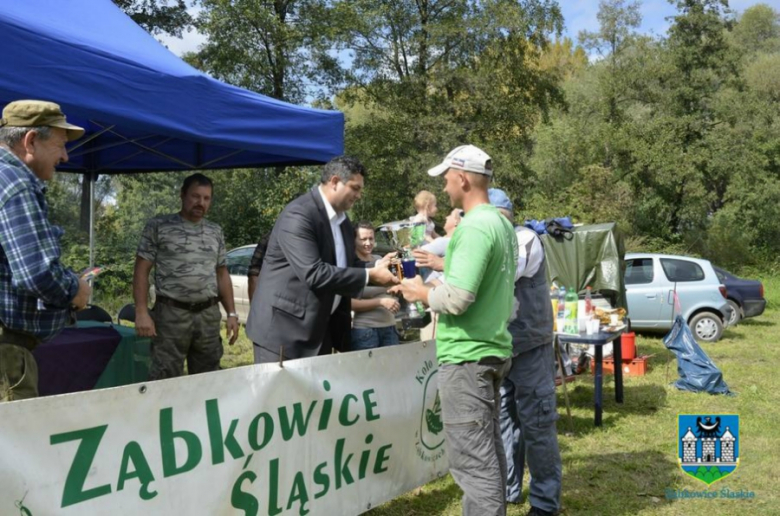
[563,382]
[91,219]
[92,179]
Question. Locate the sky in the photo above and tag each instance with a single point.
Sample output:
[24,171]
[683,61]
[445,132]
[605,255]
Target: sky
[578,15]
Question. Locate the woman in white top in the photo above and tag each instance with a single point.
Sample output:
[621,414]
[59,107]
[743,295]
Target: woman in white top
[373,325]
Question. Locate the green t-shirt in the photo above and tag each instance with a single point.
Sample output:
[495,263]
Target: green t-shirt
[481,258]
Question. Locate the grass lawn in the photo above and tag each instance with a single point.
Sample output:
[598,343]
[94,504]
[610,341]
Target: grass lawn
[626,466]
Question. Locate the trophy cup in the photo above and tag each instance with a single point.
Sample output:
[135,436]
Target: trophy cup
[404,237]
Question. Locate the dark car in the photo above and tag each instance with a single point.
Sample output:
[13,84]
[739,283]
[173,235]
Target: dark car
[745,296]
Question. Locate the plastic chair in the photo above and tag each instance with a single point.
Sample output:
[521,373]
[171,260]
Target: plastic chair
[126,313]
[94,313]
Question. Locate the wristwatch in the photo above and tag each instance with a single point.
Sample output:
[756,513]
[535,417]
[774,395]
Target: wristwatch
[233,314]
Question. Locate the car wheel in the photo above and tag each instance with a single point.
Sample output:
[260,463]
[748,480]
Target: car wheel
[706,326]
[736,313]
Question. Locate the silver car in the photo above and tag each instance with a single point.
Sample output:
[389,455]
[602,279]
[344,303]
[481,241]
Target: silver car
[652,279]
[238,261]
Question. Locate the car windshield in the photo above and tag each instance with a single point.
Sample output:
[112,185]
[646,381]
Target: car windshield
[238,261]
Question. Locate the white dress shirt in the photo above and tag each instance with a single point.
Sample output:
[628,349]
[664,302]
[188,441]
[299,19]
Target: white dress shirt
[336,220]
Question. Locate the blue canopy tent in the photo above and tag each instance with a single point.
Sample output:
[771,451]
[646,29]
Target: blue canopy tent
[144,108]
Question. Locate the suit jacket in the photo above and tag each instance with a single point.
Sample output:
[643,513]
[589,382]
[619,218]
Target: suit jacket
[299,280]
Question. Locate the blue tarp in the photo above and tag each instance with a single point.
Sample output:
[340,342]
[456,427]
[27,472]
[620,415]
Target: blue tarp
[144,108]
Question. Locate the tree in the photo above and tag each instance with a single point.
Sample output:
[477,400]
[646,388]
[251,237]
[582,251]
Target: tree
[563,57]
[744,231]
[435,74]
[275,48]
[598,197]
[158,16]
[758,29]
[613,42]
[617,19]
[400,48]
[672,147]
[585,149]
[65,192]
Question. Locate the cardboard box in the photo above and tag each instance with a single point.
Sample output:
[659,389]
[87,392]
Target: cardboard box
[636,367]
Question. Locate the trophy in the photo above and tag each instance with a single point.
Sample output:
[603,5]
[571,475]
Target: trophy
[404,237]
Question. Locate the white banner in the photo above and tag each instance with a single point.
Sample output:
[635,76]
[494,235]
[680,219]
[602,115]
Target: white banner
[333,435]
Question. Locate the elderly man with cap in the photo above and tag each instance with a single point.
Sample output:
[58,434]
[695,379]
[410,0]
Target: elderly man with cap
[37,293]
[473,346]
[528,411]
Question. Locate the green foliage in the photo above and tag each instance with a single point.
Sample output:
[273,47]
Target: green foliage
[758,29]
[158,16]
[564,58]
[278,48]
[597,196]
[429,76]
[248,202]
[682,131]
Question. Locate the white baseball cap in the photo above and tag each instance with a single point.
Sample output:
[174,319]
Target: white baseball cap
[465,157]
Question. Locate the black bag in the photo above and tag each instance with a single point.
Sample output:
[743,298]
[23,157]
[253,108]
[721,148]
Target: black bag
[558,228]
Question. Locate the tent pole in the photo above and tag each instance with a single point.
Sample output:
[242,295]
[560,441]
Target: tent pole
[92,219]
[92,178]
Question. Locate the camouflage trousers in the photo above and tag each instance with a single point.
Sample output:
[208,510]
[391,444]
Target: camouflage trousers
[18,373]
[181,335]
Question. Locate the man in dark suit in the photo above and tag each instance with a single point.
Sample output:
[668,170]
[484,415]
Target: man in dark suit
[302,304]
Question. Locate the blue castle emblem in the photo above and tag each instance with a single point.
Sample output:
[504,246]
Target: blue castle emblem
[708,446]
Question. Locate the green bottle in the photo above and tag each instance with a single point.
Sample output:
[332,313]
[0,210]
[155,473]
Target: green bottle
[417,236]
[572,324]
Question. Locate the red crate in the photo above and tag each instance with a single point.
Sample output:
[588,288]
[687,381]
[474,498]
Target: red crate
[636,367]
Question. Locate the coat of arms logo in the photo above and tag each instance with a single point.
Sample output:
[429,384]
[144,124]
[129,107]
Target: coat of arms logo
[708,445]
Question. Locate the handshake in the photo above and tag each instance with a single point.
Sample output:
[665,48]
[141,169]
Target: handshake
[391,270]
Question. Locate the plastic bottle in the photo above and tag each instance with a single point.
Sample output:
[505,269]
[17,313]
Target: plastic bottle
[588,303]
[554,301]
[413,312]
[561,307]
[561,301]
[572,299]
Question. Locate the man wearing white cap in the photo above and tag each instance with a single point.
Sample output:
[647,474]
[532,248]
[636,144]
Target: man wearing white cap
[473,346]
[37,292]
